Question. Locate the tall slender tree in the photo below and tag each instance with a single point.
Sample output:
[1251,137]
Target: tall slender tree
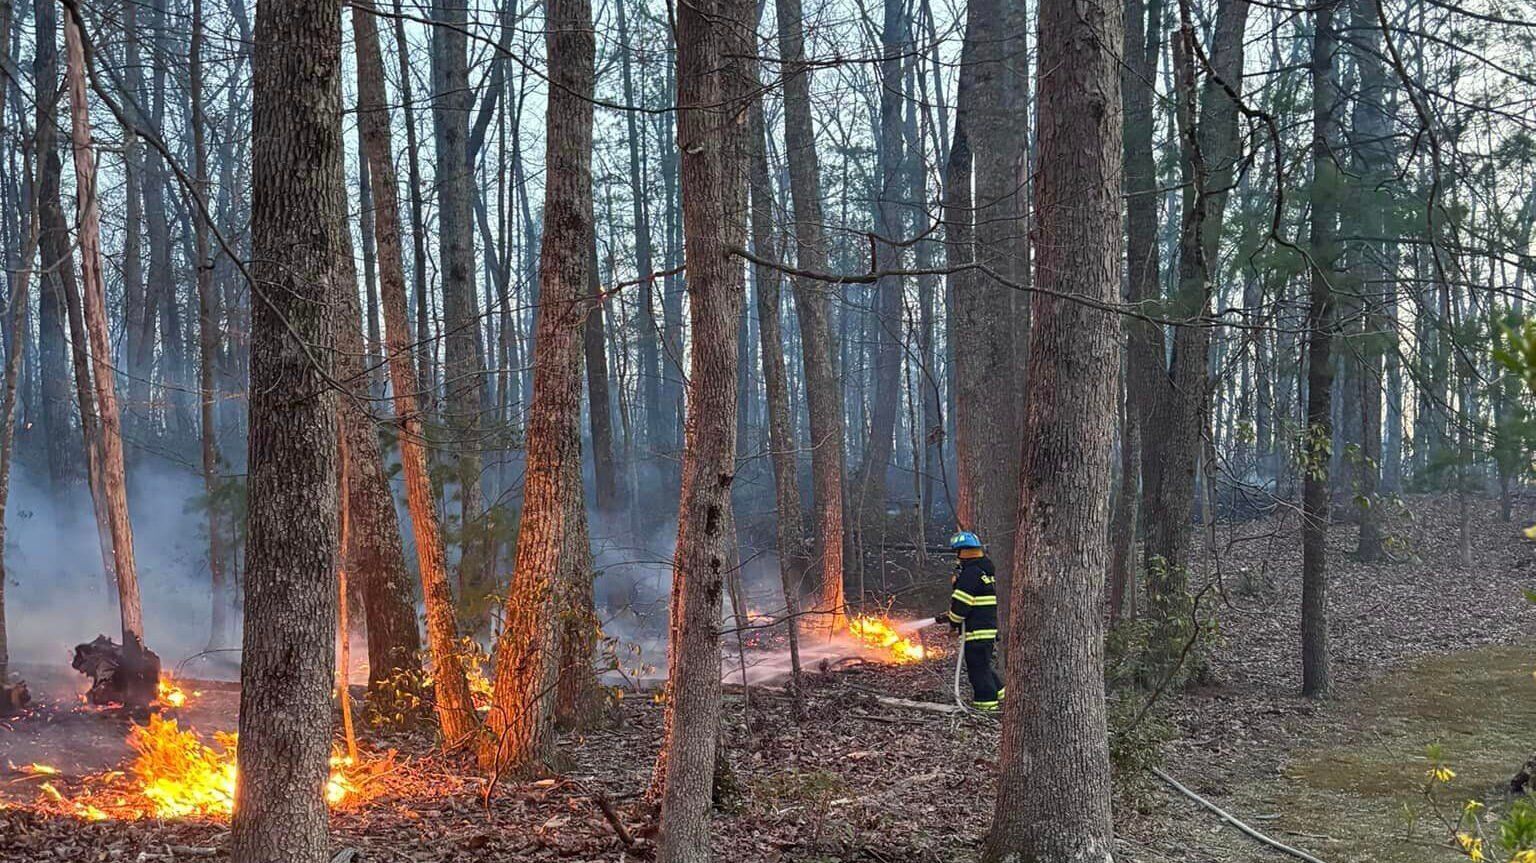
[712,83]
[451,102]
[1053,801]
[455,712]
[1323,256]
[812,306]
[297,223]
[553,552]
[111,480]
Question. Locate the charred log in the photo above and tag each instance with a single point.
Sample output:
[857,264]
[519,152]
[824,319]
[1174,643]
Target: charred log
[128,677]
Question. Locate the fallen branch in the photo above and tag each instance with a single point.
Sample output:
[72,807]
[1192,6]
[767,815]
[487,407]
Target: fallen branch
[1230,819]
[612,815]
[929,706]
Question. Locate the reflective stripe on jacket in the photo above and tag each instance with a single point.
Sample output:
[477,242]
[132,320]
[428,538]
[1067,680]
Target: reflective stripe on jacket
[973,601]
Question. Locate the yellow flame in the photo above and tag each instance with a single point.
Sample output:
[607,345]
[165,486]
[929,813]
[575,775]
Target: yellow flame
[181,776]
[170,693]
[878,632]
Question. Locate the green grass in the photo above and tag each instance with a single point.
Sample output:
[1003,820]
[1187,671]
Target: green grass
[1357,793]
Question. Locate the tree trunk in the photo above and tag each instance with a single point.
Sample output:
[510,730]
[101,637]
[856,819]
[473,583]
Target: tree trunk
[649,374]
[136,410]
[371,543]
[451,102]
[1145,349]
[711,86]
[455,712]
[1372,151]
[1315,676]
[20,285]
[162,280]
[959,230]
[553,552]
[823,388]
[207,343]
[987,417]
[599,414]
[297,227]
[113,483]
[425,359]
[1210,150]
[57,261]
[793,559]
[889,196]
[1053,801]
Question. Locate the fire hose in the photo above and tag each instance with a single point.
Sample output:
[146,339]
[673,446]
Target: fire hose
[1172,783]
[959,660]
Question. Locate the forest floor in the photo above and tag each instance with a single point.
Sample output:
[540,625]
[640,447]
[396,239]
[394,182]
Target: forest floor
[1424,651]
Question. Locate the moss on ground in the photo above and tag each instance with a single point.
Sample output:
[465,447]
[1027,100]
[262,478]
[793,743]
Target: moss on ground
[1356,792]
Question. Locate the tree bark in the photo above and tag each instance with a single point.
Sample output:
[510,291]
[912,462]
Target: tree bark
[20,285]
[553,552]
[455,712]
[1144,340]
[1210,150]
[1323,255]
[649,374]
[451,103]
[207,343]
[112,480]
[297,227]
[1053,800]
[1372,152]
[599,397]
[987,417]
[371,543]
[823,388]
[426,394]
[711,86]
[888,290]
[57,261]
[790,535]
[162,281]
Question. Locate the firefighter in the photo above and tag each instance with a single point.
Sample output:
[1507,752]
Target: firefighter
[973,611]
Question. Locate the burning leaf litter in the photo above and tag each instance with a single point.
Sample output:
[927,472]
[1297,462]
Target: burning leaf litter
[881,634]
[170,694]
[175,774]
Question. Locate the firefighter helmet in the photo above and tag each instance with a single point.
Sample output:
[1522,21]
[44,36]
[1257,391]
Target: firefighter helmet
[964,539]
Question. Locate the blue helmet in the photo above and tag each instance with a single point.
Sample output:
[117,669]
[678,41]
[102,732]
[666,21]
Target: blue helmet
[964,539]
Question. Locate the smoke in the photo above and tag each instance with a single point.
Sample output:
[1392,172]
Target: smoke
[56,594]
[632,592]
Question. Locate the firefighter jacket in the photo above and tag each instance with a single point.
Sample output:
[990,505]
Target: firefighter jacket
[973,603]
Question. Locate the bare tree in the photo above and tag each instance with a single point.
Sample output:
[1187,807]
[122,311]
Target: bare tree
[1323,256]
[823,389]
[297,227]
[451,101]
[1053,801]
[790,525]
[712,83]
[553,552]
[1144,340]
[111,480]
[455,712]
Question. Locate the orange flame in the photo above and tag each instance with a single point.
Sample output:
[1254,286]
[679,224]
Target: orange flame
[877,632]
[171,694]
[180,776]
